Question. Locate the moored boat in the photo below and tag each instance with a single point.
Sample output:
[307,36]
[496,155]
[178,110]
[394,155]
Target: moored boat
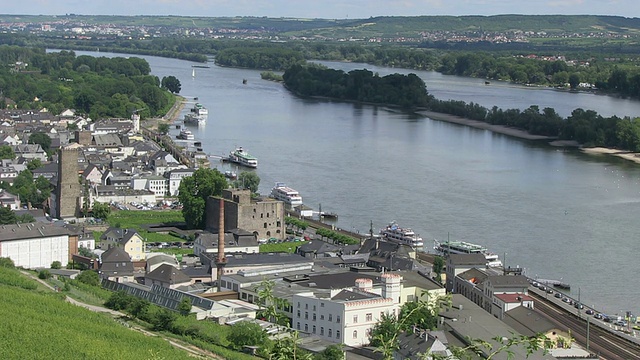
[192,118]
[463,247]
[406,236]
[242,157]
[186,134]
[199,109]
[286,194]
[230,175]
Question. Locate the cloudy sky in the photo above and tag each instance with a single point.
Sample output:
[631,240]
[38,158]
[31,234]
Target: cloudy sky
[322,9]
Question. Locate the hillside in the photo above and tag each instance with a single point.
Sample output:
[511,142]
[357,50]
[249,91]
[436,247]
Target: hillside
[41,325]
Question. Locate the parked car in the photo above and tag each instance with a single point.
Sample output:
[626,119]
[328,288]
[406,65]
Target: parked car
[620,323]
[589,312]
[598,316]
[578,305]
[558,295]
[549,291]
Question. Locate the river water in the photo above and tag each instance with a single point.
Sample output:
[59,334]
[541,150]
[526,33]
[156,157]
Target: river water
[559,214]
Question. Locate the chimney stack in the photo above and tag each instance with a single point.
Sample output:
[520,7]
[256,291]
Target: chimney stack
[221,259]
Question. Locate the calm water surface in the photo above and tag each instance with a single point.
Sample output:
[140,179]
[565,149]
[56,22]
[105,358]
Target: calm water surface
[558,214]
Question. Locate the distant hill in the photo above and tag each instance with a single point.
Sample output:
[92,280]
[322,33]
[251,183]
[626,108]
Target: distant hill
[375,26]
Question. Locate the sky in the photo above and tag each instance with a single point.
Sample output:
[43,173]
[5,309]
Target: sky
[328,9]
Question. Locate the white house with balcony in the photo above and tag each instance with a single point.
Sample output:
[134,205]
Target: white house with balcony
[175,178]
[346,316]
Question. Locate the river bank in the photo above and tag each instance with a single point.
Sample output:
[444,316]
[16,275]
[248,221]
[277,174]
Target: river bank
[627,155]
[505,130]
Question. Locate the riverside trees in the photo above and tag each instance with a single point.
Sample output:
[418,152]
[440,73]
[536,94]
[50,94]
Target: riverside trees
[194,191]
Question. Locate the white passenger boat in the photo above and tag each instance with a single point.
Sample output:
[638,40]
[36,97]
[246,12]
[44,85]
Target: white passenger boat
[199,109]
[186,134]
[242,157]
[400,235]
[286,194]
[463,247]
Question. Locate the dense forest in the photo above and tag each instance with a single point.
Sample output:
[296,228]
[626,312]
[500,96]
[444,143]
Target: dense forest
[407,91]
[99,87]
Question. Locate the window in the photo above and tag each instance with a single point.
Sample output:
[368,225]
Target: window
[330,334]
[355,334]
[298,326]
[321,317]
[321,304]
[355,319]
[338,319]
[306,315]
[314,308]
[369,317]
[298,313]
[337,334]
[314,329]
[306,306]
[330,317]
[314,316]
[306,327]
[321,330]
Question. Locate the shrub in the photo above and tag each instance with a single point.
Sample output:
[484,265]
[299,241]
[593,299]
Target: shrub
[56,265]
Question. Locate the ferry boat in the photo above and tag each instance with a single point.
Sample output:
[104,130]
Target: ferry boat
[199,109]
[401,235]
[286,194]
[241,157]
[185,134]
[230,175]
[192,118]
[462,247]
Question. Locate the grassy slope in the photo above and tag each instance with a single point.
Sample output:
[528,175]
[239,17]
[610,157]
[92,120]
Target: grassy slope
[38,325]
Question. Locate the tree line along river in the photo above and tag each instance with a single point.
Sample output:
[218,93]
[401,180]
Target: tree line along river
[556,212]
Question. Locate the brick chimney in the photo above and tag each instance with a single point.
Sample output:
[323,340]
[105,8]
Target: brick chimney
[221,259]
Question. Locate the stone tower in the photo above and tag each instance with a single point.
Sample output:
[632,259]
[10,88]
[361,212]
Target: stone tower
[69,188]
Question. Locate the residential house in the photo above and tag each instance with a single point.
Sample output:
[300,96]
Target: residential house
[459,263]
[153,183]
[116,265]
[92,174]
[236,241]
[30,151]
[167,276]
[127,239]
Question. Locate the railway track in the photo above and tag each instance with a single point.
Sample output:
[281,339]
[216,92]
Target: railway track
[606,344]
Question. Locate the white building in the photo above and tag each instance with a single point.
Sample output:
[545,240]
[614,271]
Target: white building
[346,316]
[153,183]
[34,245]
[175,178]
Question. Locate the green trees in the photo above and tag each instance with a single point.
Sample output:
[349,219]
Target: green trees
[358,85]
[101,211]
[89,277]
[271,306]
[6,152]
[194,191]
[30,191]
[331,352]
[7,216]
[246,333]
[56,265]
[272,57]
[172,84]
[184,308]
[163,128]
[248,180]
[42,139]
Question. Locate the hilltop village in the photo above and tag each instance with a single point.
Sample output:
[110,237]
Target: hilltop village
[332,293]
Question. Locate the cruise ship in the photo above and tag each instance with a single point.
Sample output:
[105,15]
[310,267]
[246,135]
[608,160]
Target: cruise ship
[401,235]
[462,247]
[193,118]
[200,110]
[286,194]
[241,157]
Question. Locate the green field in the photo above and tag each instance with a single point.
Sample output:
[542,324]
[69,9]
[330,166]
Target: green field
[134,219]
[39,325]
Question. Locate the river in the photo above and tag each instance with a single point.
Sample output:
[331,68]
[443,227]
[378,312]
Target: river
[559,214]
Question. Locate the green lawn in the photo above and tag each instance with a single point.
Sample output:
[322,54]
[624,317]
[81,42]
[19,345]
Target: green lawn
[135,219]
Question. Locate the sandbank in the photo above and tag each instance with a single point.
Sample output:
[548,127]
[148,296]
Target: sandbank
[500,129]
[627,155]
